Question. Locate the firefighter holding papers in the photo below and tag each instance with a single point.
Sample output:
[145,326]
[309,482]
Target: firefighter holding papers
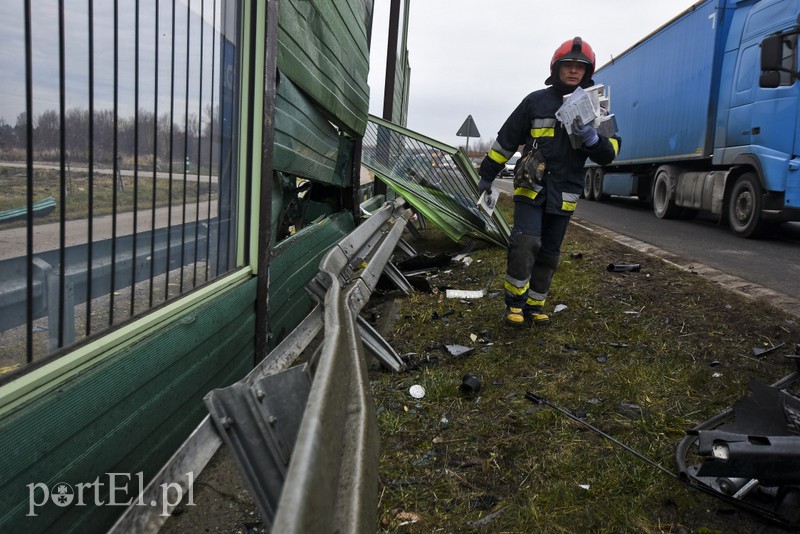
[548,180]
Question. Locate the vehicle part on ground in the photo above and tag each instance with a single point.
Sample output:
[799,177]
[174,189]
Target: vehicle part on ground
[747,455]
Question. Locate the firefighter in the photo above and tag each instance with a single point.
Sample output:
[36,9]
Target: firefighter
[543,207]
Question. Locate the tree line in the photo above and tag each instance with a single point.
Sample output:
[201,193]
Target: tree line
[143,135]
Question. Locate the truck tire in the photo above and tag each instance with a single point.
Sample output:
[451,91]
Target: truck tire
[663,204]
[588,178]
[597,185]
[744,206]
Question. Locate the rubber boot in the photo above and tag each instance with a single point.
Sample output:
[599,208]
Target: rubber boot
[533,312]
[514,317]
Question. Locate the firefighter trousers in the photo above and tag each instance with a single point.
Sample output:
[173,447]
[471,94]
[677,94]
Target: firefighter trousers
[533,254]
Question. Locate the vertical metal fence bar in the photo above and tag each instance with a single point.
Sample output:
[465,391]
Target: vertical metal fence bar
[29,162]
[156,58]
[211,138]
[62,127]
[199,145]
[185,139]
[90,192]
[117,181]
[248,188]
[171,149]
[131,308]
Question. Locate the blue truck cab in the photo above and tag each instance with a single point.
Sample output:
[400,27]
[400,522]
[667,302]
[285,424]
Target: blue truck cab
[707,107]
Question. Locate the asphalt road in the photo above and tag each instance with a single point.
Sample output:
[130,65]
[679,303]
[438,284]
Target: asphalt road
[773,262]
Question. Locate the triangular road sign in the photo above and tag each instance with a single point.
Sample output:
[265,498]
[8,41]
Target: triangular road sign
[468,129]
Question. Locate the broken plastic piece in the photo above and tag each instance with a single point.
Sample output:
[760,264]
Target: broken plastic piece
[623,267]
[757,351]
[458,350]
[464,294]
[416,391]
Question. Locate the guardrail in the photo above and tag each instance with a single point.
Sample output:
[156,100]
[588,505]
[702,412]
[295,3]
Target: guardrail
[114,261]
[305,437]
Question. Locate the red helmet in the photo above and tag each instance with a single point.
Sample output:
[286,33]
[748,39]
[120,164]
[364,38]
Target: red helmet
[574,50]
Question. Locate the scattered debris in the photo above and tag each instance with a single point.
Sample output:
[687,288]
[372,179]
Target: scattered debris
[585,486]
[406,518]
[576,255]
[416,391]
[470,385]
[757,351]
[714,363]
[436,316]
[423,261]
[464,294]
[602,358]
[630,407]
[458,350]
[623,267]
[486,520]
[559,308]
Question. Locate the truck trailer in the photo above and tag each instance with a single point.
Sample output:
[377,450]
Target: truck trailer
[707,108]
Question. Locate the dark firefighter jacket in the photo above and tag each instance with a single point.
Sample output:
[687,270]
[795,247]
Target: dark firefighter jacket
[534,122]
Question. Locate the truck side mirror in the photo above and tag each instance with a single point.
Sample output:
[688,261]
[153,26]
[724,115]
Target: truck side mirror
[770,79]
[772,53]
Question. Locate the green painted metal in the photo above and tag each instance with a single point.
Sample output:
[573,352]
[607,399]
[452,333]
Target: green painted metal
[127,415]
[295,262]
[306,143]
[40,209]
[323,48]
[438,180]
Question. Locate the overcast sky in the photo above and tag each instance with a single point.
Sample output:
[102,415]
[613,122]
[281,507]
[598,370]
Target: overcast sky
[480,58]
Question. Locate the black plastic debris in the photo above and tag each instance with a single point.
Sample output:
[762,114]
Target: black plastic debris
[714,363]
[470,385]
[436,316]
[623,267]
[576,255]
[424,261]
[602,358]
[758,351]
[420,283]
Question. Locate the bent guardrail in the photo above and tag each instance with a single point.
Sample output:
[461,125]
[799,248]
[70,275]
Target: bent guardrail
[305,437]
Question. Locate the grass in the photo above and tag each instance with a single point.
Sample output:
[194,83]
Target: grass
[642,356]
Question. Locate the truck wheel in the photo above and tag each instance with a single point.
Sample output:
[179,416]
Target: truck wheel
[588,193]
[663,205]
[744,206]
[597,185]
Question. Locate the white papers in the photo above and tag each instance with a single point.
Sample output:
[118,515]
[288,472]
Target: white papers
[593,106]
[488,202]
[578,104]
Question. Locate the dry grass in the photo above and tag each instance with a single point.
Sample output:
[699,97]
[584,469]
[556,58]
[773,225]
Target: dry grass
[644,356]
